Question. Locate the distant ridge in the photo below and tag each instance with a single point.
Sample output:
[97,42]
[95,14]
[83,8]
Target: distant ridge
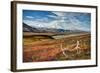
[27,28]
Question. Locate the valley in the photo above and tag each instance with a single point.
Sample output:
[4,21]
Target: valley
[38,47]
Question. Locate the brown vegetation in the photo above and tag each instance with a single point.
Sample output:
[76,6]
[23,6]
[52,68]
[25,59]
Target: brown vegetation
[40,48]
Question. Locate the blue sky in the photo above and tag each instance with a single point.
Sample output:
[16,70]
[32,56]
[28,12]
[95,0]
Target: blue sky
[58,20]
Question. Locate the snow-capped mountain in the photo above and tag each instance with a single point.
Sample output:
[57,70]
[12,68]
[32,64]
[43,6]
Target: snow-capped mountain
[27,28]
[57,20]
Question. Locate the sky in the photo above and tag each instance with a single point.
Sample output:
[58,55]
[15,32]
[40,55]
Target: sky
[57,20]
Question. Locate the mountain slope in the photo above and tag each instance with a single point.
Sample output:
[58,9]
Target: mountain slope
[27,28]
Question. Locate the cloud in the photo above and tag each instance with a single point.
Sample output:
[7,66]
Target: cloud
[35,23]
[71,24]
[30,17]
[62,20]
[69,21]
[59,13]
[52,16]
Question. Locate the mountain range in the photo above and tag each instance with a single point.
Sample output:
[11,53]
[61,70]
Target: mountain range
[27,28]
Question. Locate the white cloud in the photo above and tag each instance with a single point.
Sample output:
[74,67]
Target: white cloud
[30,17]
[59,13]
[52,16]
[35,23]
[72,24]
[63,21]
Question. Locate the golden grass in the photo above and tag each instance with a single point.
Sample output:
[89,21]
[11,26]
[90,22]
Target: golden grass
[40,48]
